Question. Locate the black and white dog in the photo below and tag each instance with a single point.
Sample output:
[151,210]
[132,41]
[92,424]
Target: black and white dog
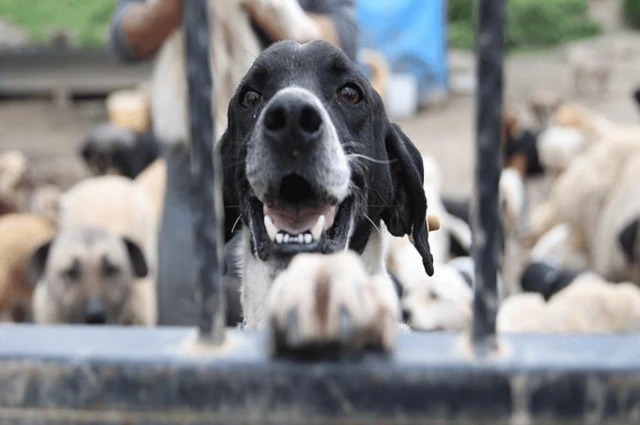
[312,164]
[110,149]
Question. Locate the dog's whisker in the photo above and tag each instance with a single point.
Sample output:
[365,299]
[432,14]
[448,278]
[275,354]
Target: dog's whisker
[368,158]
[373,224]
[233,228]
[382,197]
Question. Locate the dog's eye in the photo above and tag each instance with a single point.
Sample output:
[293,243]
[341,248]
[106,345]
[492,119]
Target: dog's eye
[108,269]
[250,99]
[73,272]
[349,94]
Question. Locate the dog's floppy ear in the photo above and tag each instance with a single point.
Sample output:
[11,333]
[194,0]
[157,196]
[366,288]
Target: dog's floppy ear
[627,239]
[123,159]
[137,258]
[87,149]
[37,263]
[407,212]
[229,161]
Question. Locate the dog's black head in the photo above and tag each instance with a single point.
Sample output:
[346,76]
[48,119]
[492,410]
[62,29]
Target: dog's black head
[546,279]
[110,149]
[311,162]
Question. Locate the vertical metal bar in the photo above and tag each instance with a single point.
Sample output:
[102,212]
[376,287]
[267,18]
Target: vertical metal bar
[205,172]
[486,214]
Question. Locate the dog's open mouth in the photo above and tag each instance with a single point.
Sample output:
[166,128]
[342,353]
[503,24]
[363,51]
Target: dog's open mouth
[297,224]
[299,215]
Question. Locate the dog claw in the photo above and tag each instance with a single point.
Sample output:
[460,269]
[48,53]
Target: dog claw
[346,330]
[293,335]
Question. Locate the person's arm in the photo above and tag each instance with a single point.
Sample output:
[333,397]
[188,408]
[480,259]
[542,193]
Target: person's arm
[331,20]
[139,28]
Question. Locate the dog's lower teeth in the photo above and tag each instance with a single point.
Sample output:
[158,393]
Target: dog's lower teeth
[303,238]
[279,236]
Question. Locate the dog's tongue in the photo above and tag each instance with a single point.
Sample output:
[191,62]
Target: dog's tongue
[295,220]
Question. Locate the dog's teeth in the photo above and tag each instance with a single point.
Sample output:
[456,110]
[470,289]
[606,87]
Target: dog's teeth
[272,231]
[318,228]
[287,238]
[308,238]
[279,238]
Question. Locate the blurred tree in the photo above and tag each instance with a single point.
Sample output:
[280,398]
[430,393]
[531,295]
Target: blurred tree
[530,23]
[87,20]
[631,13]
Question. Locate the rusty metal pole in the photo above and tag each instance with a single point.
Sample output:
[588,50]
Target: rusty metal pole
[205,173]
[490,43]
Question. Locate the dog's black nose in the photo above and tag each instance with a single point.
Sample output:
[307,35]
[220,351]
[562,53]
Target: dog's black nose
[293,121]
[406,315]
[95,313]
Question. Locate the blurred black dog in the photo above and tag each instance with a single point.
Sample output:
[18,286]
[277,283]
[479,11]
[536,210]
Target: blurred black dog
[547,279]
[110,149]
[636,96]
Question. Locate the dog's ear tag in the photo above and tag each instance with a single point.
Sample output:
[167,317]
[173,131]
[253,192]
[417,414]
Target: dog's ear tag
[433,223]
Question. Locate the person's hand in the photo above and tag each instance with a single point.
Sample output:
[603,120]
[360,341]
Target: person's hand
[285,19]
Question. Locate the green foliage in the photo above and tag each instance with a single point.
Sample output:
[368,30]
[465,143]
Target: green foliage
[88,18]
[460,10]
[530,23]
[631,13]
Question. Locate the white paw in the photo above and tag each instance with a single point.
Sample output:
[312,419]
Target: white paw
[329,302]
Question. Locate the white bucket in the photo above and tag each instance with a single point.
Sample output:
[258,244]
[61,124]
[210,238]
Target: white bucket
[402,96]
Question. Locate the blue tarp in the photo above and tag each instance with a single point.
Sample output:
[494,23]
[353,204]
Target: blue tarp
[412,36]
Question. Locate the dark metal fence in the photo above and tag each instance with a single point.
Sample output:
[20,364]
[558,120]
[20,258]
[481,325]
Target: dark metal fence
[486,213]
[206,175]
[106,375]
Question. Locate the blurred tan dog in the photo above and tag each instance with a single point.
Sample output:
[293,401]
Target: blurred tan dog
[88,276]
[573,129]
[15,182]
[35,187]
[578,196]
[615,247]
[20,235]
[120,207]
[543,104]
[590,67]
[152,182]
[588,305]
